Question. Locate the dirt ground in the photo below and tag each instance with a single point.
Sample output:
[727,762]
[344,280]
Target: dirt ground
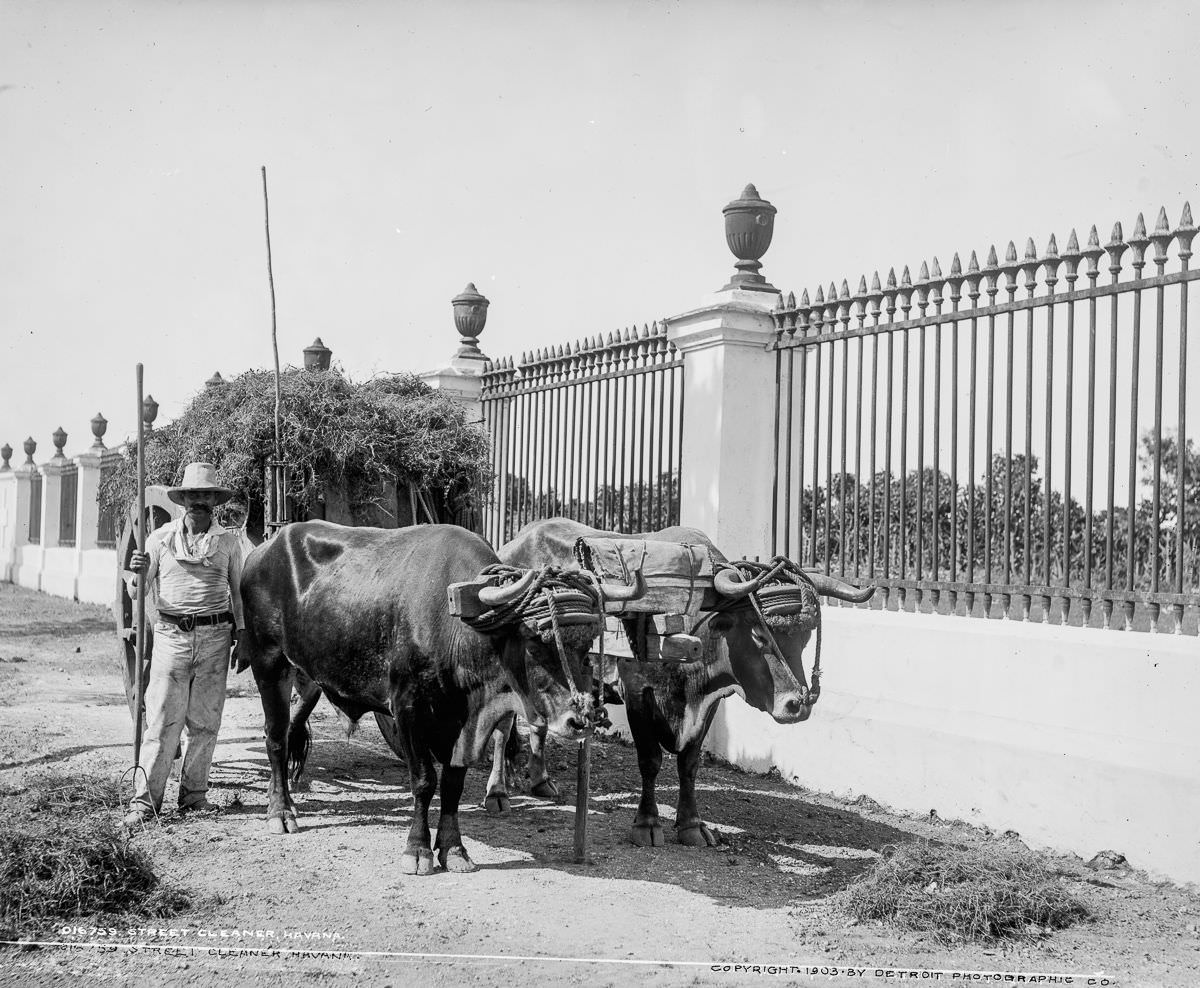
[772,894]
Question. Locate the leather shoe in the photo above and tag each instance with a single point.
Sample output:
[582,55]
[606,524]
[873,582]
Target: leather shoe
[136,819]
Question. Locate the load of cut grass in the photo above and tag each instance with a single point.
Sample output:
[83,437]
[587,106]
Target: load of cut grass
[956,893]
[62,856]
[60,793]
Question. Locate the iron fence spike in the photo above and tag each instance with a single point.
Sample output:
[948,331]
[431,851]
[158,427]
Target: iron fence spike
[1030,250]
[1185,221]
[791,301]
[1073,242]
[862,285]
[804,298]
[832,293]
[955,266]
[906,278]
[973,264]
[1093,237]
[992,260]
[891,278]
[1010,256]
[845,292]
[936,271]
[1118,234]
[1139,229]
[1052,247]
[1163,225]
[875,285]
[924,275]
[820,296]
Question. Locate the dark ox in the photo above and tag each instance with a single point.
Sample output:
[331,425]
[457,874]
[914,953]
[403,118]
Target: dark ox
[672,707]
[362,613]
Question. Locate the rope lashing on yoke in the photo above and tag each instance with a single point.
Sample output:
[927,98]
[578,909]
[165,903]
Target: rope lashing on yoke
[559,607]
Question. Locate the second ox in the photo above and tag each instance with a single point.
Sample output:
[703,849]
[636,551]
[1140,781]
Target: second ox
[754,645]
[362,613]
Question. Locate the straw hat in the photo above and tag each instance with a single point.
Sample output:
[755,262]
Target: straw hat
[199,477]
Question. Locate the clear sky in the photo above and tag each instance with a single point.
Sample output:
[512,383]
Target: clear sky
[571,159]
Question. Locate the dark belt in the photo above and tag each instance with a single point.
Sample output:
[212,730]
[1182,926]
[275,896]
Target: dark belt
[186,622]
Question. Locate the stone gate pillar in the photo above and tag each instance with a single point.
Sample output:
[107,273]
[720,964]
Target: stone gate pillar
[729,394]
[462,378]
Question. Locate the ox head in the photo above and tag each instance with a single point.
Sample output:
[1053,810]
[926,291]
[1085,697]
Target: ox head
[546,620]
[768,615]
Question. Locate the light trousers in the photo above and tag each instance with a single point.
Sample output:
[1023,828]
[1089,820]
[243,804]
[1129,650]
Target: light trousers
[186,689]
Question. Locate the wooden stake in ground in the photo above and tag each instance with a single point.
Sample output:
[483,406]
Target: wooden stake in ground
[583,767]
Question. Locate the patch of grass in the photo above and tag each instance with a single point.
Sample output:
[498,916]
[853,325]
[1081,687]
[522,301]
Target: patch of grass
[986,894]
[63,856]
[74,793]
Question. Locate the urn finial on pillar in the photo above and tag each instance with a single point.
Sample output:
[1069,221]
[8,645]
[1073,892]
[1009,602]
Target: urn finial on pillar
[5,455]
[749,225]
[30,448]
[60,440]
[99,427]
[149,411]
[317,356]
[470,316]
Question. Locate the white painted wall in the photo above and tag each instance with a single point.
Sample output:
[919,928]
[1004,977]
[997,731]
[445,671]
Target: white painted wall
[1080,740]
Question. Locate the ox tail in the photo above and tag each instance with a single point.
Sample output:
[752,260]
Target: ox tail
[299,742]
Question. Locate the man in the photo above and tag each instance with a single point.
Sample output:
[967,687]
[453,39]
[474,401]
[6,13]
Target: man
[195,567]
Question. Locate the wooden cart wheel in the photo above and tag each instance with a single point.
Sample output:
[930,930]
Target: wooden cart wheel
[159,511]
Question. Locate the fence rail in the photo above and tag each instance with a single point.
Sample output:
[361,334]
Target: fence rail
[591,431]
[1044,415]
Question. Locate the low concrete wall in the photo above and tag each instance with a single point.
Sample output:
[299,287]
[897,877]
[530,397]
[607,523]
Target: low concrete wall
[88,575]
[1078,739]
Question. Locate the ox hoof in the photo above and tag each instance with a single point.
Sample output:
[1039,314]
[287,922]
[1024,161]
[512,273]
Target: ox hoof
[647,835]
[282,823]
[546,789]
[455,860]
[418,862]
[497,802]
[696,835]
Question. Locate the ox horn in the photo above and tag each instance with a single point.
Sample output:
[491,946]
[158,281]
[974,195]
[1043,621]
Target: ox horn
[831,587]
[499,596]
[620,592]
[728,583]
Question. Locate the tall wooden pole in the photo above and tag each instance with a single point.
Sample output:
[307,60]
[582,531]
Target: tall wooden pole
[279,495]
[139,643]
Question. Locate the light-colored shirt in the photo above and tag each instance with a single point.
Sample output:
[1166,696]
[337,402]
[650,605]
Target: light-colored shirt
[204,579]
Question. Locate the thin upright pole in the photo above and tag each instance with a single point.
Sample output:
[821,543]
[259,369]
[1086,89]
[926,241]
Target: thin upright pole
[583,767]
[276,477]
[139,643]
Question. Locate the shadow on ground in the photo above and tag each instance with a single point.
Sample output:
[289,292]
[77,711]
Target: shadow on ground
[776,843]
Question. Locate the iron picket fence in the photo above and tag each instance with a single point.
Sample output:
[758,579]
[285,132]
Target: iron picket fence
[590,431]
[67,504]
[970,496]
[35,509]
